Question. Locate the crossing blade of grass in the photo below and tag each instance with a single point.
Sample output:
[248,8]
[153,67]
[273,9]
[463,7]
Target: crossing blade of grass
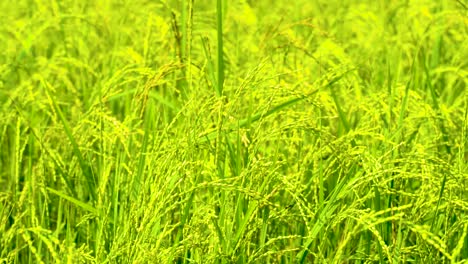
[85,168]
[222,241]
[341,114]
[377,209]
[262,114]
[257,116]
[138,179]
[290,102]
[252,209]
[75,201]
[441,193]
[275,109]
[457,250]
[435,105]
[38,137]
[209,62]
[324,215]
[404,104]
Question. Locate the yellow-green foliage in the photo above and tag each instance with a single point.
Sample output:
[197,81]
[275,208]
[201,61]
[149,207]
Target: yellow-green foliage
[182,131]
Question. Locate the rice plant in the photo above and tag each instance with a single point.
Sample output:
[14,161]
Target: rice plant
[182,131]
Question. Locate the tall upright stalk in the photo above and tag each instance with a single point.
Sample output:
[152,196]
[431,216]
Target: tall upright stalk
[219,11]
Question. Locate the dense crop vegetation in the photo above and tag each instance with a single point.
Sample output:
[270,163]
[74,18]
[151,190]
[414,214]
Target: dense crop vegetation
[308,131]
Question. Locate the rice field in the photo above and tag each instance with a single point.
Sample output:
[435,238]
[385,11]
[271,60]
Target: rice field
[182,131]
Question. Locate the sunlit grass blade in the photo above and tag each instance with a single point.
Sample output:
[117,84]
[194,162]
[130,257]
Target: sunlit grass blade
[219,29]
[39,138]
[75,201]
[321,220]
[209,62]
[85,168]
